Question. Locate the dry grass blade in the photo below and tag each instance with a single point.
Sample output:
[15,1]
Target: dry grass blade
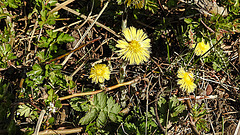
[60,6]
[86,32]
[74,50]
[63,131]
[39,122]
[91,20]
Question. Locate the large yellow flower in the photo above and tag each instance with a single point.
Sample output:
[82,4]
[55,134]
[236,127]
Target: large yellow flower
[136,47]
[186,80]
[99,73]
[201,48]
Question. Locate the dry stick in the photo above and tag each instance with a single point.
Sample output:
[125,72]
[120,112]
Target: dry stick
[207,27]
[197,97]
[98,91]
[218,83]
[86,32]
[62,131]
[36,132]
[60,29]
[33,32]
[147,104]
[73,50]
[192,124]
[156,112]
[91,20]
[237,129]
[60,6]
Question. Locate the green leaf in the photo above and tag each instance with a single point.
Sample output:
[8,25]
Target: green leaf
[178,109]
[63,38]
[44,42]
[173,102]
[90,116]
[38,79]
[74,102]
[41,56]
[14,3]
[52,34]
[58,104]
[116,109]
[102,100]
[112,117]
[50,95]
[79,105]
[52,2]
[51,120]
[110,103]
[37,70]
[188,20]
[102,119]
[24,110]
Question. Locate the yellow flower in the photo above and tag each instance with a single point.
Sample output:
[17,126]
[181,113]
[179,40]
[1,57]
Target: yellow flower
[137,3]
[201,48]
[99,73]
[186,81]
[136,47]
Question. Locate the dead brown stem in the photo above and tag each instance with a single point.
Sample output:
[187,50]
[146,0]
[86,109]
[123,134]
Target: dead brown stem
[98,91]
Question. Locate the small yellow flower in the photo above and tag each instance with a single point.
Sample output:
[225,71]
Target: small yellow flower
[136,47]
[201,48]
[99,73]
[186,81]
[137,3]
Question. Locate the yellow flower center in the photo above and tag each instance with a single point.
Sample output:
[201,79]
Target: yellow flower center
[202,46]
[99,72]
[134,46]
[187,78]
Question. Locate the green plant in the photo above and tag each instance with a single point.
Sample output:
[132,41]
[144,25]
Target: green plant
[99,109]
[198,112]
[168,110]
[135,123]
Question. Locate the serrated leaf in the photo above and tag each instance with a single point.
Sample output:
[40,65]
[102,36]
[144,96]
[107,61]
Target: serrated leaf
[63,38]
[178,109]
[101,100]
[90,116]
[162,106]
[43,42]
[37,70]
[112,117]
[52,34]
[84,106]
[41,56]
[116,109]
[74,102]
[110,103]
[56,66]
[24,110]
[173,102]
[102,119]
